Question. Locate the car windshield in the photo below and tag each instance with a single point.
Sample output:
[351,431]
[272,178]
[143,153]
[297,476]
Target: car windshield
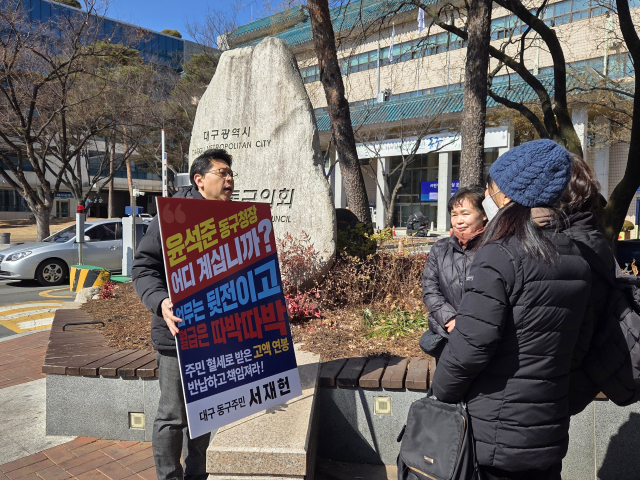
[63,235]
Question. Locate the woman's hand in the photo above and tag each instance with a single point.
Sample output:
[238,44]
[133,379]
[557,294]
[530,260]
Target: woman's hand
[450,325]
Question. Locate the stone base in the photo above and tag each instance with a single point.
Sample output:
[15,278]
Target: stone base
[100,406]
[353,432]
[278,443]
[603,440]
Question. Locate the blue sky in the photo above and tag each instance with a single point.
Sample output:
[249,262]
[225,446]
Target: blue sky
[160,14]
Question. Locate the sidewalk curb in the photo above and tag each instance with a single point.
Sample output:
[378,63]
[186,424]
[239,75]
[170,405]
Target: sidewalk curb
[19,335]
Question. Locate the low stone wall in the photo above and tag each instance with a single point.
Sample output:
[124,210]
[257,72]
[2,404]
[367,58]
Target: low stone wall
[100,406]
[604,439]
[92,390]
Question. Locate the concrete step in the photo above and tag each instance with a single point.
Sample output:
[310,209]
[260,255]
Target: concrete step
[277,443]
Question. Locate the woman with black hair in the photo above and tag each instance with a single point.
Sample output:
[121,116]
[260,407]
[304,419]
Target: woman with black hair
[509,355]
[448,264]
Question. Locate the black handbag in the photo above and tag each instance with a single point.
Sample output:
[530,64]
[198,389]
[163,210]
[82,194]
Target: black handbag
[437,443]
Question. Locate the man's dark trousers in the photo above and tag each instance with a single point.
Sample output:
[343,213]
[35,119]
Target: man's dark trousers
[169,425]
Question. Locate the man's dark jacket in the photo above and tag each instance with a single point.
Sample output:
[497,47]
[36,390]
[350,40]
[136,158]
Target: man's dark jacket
[150,279]
[443,280]
[510,353]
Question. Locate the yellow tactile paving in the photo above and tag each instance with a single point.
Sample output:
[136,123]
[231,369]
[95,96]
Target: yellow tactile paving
[24,317]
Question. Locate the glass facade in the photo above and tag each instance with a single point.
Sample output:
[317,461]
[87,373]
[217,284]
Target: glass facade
[425,169]
[154,47]
[12,201]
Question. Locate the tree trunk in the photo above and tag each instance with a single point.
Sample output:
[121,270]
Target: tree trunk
[389,216]
[339,113]
[624,193]
[475,93]
[42,222]
[112,158]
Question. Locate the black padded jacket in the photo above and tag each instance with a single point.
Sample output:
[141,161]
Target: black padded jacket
[510,353]
[443,280]
[150,279]
[583,230]
[609,362]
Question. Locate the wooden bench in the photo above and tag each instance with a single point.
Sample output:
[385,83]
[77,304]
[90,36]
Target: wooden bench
[84,350]
[377,372]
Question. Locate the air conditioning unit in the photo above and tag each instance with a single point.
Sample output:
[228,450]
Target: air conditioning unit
[384,96]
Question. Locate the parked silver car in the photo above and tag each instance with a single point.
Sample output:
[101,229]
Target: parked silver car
[48,261]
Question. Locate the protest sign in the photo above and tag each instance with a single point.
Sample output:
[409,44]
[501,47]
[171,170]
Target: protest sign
[234,345]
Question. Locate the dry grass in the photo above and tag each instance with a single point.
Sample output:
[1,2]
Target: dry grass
[25,230]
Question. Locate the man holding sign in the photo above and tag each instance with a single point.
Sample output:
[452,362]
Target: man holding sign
[211,179]
[211,270]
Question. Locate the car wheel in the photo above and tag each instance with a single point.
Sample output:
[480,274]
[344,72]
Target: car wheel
[52,272]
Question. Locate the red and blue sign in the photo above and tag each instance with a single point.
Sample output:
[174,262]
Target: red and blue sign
[234,344]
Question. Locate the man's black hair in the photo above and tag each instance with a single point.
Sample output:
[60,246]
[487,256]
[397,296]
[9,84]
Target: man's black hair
[202,164]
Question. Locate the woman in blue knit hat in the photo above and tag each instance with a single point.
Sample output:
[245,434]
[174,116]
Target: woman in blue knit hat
[524,299]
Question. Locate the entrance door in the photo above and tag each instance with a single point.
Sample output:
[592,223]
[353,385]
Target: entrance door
[62,208]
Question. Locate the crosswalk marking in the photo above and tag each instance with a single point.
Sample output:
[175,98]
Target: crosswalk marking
[23,317]
[28,313]
[42,322]
[30,305]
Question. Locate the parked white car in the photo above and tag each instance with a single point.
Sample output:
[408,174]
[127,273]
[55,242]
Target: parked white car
[48,261]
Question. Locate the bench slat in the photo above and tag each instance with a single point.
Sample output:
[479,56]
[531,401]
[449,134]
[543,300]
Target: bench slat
[92,368]
[372,374]
[417,374]
[330,370]
[111,369]
[149,370]
[129,370]
[394,374]
[351,372]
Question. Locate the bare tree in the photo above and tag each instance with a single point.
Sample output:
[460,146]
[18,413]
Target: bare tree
[622,195]
[412,143]
[174,105]
[339,113]
[475,92]
[41,65]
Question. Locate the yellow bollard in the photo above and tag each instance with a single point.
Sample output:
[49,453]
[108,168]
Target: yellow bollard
[85,276]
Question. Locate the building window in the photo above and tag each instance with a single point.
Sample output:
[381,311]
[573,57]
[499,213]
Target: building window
[12,201]
[554,15]
[310,74]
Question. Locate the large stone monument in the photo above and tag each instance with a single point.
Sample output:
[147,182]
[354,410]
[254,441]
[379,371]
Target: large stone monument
[256,107]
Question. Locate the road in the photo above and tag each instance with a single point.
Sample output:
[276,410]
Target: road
[26,306]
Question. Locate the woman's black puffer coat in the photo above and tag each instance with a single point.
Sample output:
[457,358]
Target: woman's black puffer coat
[607,355]
[510,353]
[443,280]
[583,230]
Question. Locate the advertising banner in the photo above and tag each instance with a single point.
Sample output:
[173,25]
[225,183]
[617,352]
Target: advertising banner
[234,346]
[429,190]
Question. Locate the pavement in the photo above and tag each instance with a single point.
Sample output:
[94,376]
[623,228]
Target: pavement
[28,453]
[26,306]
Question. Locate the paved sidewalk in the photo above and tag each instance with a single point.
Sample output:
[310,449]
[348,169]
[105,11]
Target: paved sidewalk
[27,453]
[21,359]
[85,458]
[330,470]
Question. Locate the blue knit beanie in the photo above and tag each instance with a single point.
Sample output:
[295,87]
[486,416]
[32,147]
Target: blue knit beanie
[533,174]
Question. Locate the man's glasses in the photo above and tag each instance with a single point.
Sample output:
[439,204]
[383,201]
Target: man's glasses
[223,172]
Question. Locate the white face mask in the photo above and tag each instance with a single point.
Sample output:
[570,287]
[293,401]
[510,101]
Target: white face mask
[490,206]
